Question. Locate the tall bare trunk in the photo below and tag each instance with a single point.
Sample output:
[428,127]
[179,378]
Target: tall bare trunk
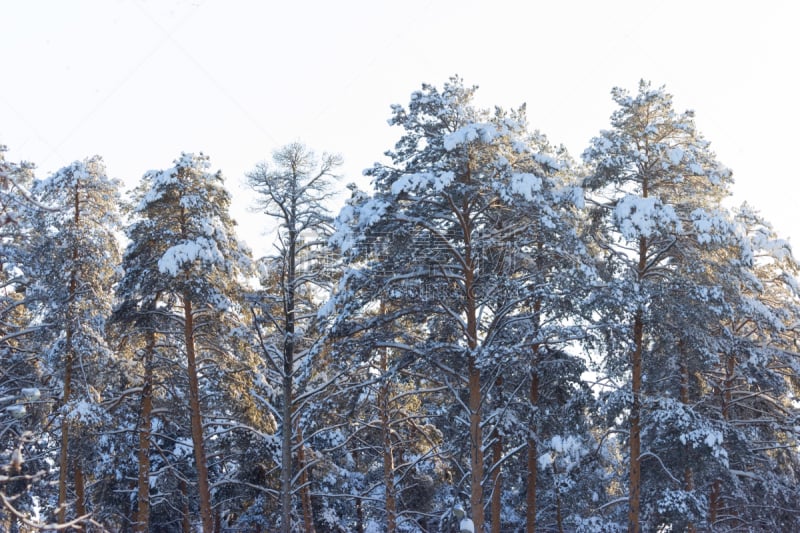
[388,449]
[715,502]
[474,403]
[186,520]
[69,360]
[287,472]
[80,490]
[61,515]
[533,397]
[476,446]
[497,473]
[196,417]
[635,482]
[142,524]
[286,453]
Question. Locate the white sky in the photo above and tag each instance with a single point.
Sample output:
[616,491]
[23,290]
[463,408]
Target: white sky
[140,81]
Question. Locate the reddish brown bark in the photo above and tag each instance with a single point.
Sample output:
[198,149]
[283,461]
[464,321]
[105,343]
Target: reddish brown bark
[196,419]
[497,482]
[80,490]
[635,483]
[635,443]
[142,523]
[186,521]
[476,446]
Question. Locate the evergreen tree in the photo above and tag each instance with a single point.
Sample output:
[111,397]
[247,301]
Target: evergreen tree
[23,410]
[444,242]
[184,268]
[75,266]
[656,189]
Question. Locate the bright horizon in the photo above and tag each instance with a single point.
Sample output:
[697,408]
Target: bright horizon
[137,82]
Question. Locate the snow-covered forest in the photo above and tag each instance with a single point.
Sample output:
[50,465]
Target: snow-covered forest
[498,336]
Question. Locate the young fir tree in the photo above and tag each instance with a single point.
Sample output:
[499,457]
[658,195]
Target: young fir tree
[184,267]
[76,258]
[293,193]
[656,189]
[444,242]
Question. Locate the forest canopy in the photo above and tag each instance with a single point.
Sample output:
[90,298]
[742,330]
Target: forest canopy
[497,336]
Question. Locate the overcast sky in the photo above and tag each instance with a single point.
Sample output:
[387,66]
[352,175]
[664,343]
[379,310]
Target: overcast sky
[140,81]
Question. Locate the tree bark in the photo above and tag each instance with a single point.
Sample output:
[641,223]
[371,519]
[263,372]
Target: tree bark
[497,474]
[142,524]
[533,464]
[388,451]
[474,374]
[69,359]
[305,491]
[476,446]
[186,521]
[635,484]
[715,502]
[688,474]
[80,490]
[288,380]
[61,515]
[195,414]
[635,442]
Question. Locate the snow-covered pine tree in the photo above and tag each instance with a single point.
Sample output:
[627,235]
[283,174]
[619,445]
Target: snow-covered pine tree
[655,193]
[74,267]
[185,266]
[444,242]
[23,410]
[753,386]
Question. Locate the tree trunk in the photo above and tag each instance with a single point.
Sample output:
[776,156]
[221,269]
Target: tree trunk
[715,502]
[476,446]
[80,490]
[533,397]
[305,490]
[559,517]
[497,456]
[288,381]
[142,524]
[359,515]
[186,521]
[474,378]
[195,414]
[533,464]
[286,453]
[388,449]
[688,474]
[635,486]
[635,442]
[69,359]
[61,515]
[388,473]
